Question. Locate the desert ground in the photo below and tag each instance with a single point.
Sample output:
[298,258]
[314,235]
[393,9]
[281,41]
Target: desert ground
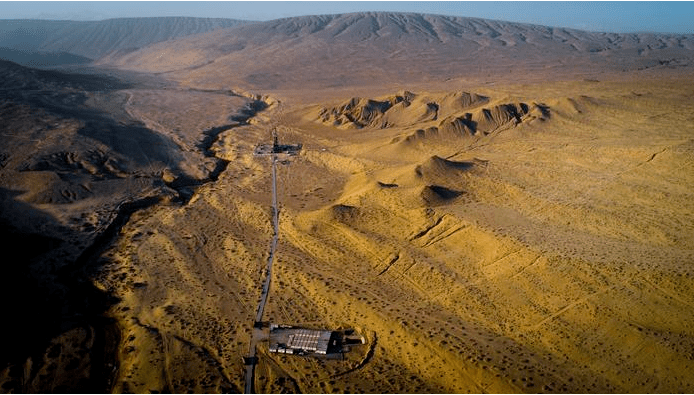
[485,231]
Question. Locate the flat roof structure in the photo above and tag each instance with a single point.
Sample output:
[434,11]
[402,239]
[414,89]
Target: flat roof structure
[289,340]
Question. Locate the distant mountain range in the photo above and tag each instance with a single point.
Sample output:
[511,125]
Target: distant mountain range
[328,50]
[362,47]
[46,43]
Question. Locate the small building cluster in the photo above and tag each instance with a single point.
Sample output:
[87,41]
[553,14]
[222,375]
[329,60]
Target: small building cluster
[277,148]
[300,341]
[286,339]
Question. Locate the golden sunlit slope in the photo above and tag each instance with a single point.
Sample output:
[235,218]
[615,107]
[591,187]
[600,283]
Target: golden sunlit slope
[566,245]
[542,256]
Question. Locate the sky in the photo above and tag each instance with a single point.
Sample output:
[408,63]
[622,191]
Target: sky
[619,17]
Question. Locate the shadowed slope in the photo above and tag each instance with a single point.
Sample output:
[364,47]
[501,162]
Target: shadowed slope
[54,338]
[67,125]
[76,164]
[47,43]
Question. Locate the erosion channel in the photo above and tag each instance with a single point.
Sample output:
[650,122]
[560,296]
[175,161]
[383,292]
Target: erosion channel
[185,187]
[146,145]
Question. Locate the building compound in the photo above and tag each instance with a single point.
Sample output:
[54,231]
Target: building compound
[301,341]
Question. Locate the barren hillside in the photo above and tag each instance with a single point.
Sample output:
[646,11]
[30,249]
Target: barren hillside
[47,43]
[356,49]
[494,207]
[75,162]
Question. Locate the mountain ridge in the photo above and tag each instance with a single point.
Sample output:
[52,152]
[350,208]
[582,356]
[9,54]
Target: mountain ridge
[393,46]
[36,39]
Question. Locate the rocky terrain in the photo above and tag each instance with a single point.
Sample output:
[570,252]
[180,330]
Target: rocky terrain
[495,207]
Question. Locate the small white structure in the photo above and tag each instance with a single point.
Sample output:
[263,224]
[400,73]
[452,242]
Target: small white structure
[299,340]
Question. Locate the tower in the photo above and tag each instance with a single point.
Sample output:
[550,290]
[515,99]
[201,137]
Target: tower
[275,144]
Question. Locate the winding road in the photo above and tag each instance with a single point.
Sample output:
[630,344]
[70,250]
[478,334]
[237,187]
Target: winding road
[257,333]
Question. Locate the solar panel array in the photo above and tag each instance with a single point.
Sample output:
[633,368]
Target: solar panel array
[304,339]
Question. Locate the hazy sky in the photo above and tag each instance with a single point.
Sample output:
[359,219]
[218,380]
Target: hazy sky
[665,17]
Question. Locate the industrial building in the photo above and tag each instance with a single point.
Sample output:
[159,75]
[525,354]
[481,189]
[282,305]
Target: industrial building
[300,341]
